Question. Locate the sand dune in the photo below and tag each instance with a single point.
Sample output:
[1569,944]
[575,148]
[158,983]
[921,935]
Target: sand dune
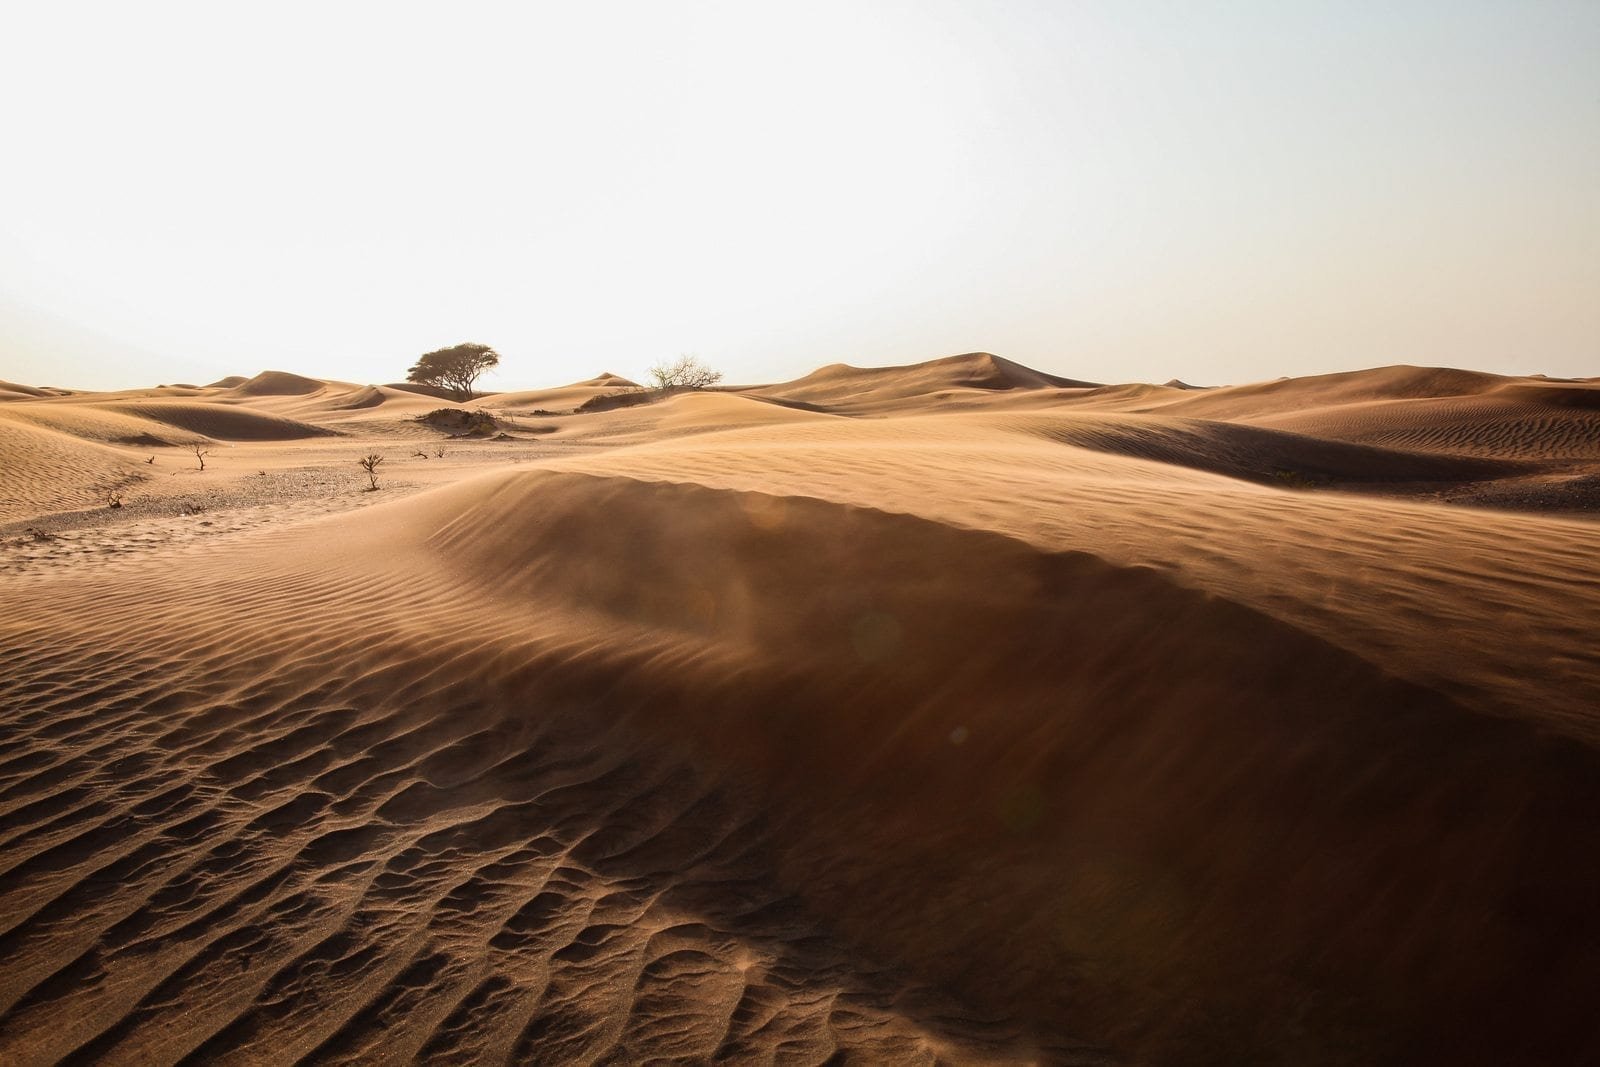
[1324,390]
[1241,450]
[685,415]
[277,383]
[1015,721]
[859,390]
[224,423]
[563,399]
[46,471]
[1520,420]
[104,424]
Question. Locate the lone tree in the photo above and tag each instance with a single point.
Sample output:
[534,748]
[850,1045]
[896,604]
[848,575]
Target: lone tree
[455,368]
[685,372]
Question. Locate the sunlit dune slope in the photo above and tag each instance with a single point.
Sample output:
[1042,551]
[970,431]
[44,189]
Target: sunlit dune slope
[1420,409]
[101,423]
[685,415]
[333,405]
[45,470]
[1323,390]
[562,399]
[142,422]
[223,423]
[277,383]
[371,396]
[864,390]
[1528,420]
[1242,450]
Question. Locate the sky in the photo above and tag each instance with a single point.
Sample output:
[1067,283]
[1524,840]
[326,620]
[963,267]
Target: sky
[1118,191]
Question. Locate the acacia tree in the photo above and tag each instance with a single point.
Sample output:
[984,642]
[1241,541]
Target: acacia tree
[455,368]
[685,372]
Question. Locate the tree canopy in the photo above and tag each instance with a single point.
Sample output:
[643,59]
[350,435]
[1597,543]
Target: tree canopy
[455,368]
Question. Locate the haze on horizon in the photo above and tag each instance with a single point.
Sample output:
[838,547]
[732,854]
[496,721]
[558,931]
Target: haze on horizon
[1107,191]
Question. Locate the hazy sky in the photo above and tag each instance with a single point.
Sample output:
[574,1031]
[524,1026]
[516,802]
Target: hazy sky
[1116,191]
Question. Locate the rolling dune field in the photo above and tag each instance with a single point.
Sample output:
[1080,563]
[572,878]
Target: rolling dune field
[952,713]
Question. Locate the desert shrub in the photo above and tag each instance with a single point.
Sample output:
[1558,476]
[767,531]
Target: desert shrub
[459,422]
[369,463]
[685,372]
[1292,479]
[618,398]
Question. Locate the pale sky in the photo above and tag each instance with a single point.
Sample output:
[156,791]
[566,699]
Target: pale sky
[1117,191]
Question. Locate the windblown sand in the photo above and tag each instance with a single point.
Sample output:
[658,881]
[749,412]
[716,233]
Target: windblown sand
[954,713]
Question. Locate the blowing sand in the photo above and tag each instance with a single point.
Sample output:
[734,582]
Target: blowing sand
[955,712]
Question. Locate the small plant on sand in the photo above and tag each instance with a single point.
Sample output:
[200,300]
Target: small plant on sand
[617,398]
[370,463]
[685,372]
[439,452]
[458,422]
[114,500]
[200,454]
[1292,479]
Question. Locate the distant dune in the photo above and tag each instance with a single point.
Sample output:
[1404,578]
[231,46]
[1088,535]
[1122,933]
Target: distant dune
[859,390]
[278,383]
[947,713]
[223,423]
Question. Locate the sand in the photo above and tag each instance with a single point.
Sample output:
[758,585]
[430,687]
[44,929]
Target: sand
[948,713]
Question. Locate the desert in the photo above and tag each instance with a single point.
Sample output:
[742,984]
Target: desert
[946,712]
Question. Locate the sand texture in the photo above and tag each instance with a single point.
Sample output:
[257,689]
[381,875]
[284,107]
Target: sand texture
[949,713]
